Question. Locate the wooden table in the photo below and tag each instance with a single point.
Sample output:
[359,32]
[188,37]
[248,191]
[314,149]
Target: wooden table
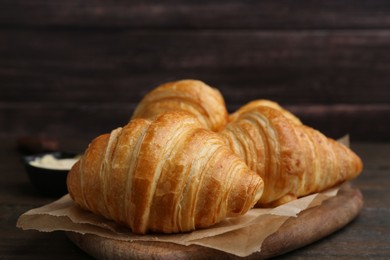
[367,236]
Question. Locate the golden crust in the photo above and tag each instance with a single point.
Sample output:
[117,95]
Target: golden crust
[193,96]
[159,171]
[267,103]
[160,175]
[294,160]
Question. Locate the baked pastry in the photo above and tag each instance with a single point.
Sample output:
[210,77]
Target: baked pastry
[293,159]
[193,96]
[165,175]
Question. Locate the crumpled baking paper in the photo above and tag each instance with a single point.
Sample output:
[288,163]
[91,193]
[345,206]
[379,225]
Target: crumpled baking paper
[240,236]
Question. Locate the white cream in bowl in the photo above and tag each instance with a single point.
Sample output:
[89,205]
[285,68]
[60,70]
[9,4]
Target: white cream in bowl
[50,162]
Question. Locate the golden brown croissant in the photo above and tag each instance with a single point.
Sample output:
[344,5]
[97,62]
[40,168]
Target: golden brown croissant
[245,142]
[294,160]
[193,96]
[166,175]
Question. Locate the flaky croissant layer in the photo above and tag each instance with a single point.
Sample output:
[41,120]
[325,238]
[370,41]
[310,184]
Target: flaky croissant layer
[166,175]
[294,160]
[167,171]
[193,96]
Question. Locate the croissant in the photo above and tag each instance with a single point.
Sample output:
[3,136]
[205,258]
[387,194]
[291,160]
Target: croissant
[284,181]
[164,175]
[193,96]
[293,159]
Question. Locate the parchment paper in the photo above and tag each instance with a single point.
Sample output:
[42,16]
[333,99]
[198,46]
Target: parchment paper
[240,236]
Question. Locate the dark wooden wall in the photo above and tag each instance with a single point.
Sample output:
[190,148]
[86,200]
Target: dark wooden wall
[75,69]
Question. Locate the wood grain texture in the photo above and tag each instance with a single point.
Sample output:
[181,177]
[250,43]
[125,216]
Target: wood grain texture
[285,14]
[77,55]
[309,226]
[121,66]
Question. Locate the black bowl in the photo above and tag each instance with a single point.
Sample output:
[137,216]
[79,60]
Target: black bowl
[49,182]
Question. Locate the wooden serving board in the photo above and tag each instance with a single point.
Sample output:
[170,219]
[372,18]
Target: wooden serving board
[310,225]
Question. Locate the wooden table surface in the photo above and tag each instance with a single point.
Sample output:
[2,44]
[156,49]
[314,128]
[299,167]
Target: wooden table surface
[368,236]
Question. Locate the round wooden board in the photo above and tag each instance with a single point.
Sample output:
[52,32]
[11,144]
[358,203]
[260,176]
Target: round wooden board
[310,225]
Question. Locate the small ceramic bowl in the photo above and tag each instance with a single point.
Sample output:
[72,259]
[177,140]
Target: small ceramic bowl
[49,181]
